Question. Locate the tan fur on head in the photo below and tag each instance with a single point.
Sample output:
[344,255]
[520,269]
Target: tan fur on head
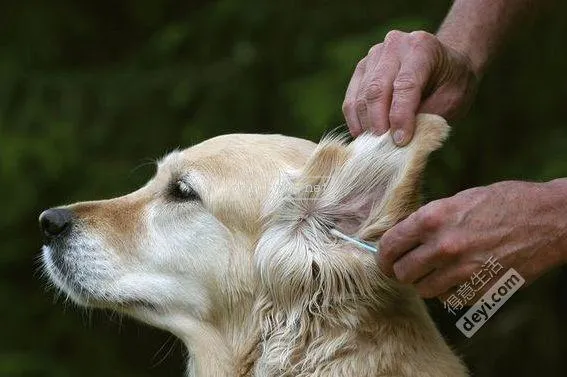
[246,272]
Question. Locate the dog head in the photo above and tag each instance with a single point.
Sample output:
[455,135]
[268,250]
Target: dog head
[170,244]
[241,218]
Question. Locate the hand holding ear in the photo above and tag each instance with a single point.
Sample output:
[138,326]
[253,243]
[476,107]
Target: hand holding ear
[406,74]
[520,224]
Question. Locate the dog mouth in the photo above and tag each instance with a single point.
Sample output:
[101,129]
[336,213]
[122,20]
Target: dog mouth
[73,280]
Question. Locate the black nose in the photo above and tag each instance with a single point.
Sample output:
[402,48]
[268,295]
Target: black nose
[54,221]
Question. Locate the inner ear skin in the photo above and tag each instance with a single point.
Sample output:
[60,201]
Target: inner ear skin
[371,183]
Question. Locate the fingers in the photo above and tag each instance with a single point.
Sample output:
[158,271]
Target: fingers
[388,85]
[367,88]
[415,264]
[377,88]
[428,250]
[420,228]
[349,104]
[441,281]
[409,85]
[397,241]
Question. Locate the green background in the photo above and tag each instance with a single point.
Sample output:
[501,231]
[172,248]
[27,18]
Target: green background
[92,91]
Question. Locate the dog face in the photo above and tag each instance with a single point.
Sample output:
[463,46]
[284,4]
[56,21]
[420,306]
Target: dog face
[171,245]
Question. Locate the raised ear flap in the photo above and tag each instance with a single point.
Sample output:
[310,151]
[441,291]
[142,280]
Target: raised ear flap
[365,187]
[308,280]
[310,284]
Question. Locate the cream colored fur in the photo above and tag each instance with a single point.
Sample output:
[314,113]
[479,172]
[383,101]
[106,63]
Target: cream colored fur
[247,275]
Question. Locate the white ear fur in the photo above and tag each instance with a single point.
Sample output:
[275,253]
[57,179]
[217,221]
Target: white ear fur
[308,280]
[364,187]
[370,184]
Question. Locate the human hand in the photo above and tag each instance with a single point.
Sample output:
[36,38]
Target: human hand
[406,74]
[521,224]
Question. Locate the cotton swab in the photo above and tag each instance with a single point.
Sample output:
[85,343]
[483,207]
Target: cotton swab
[359,243]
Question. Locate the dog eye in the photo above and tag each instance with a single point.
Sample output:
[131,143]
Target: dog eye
[180,190]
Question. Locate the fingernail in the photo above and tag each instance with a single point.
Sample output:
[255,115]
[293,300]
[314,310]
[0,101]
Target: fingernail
[399,137]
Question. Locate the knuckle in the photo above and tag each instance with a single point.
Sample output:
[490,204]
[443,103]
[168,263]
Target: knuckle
[431,216]
[360,105]
[374,91]
[421,37]
[393,35]
[447,247]
[374,49]
[405,83]
[361,65]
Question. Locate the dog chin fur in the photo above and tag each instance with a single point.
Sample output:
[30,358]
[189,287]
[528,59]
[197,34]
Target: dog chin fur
[247,276]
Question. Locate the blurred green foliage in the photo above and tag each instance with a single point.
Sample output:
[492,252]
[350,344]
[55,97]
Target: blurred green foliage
[90,90]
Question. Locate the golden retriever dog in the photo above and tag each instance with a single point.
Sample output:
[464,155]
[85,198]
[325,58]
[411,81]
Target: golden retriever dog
[228,247]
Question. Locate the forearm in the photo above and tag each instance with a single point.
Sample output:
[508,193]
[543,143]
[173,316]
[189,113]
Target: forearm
[558,192]
[476,28]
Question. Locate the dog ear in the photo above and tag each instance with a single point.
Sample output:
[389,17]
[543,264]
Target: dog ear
[365,187]
[307,279]
[310,283]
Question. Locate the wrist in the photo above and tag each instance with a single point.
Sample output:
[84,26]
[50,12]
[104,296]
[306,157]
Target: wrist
[470,52]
